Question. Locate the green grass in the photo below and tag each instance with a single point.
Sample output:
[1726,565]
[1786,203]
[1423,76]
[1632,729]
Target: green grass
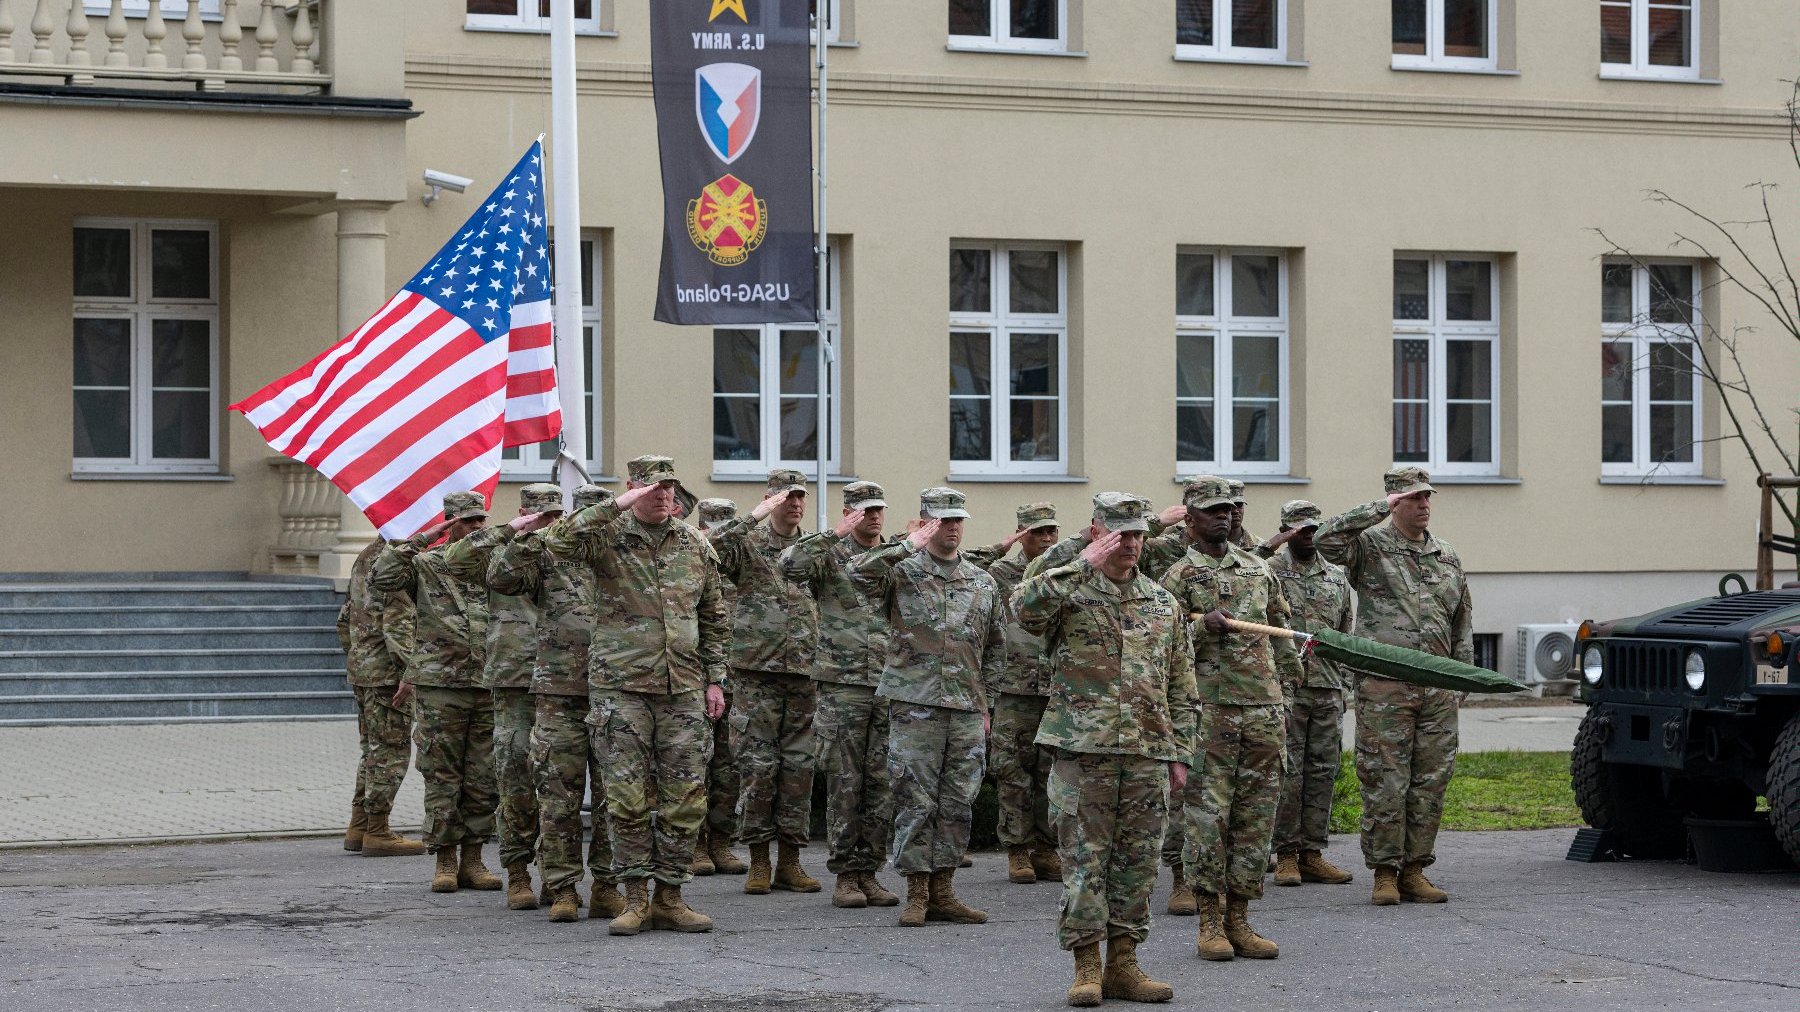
[1491,790]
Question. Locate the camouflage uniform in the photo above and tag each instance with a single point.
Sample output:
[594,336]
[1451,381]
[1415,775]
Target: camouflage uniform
[660,638]
[454,729]
[774,633]
[1122,707]
[1060,554]
[1411,594]
[375,628]
[948,642]
[722,783]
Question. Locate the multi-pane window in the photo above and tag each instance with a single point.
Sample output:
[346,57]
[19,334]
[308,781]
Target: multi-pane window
[1009,359]
[534,460]
[1009,24]
[1231,338]
[1649,38]
[528,15]
[1649,368]
[146,346]
[1231,29]
[1451,34]
[833,15]
[1447,363]
[766,394]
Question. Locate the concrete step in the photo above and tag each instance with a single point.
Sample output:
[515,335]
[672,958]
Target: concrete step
[249,659]
[18,684]
[43,709]
[190,638]
[163,594]
[168,616]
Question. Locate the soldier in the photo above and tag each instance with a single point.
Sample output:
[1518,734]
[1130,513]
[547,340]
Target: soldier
[852,722]
[774,638]
[1319,594]
[1021,767]
[454,728]
[656,674]
[562,757]
[947,642]
[1169,538]
[506,674]
[1411,591]
[375,628]
[1242,724]
[712,852]
[1121,721]
[1239,536]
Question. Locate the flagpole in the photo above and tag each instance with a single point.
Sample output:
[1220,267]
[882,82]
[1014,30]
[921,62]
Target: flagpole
[821,17]
[565,179]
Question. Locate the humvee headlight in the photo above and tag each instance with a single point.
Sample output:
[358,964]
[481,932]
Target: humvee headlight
[1695,670]
[1592,665]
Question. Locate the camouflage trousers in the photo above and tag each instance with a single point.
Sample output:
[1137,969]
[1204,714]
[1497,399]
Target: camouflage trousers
[515,710]
[453,732]
[1109,812]
[385,733]
[1021,771]
[1315,746]
[852,727]
[722,779]
[565,763]
[1405,753]
[772,737]
[655,750]
[1231,825]
[934,759]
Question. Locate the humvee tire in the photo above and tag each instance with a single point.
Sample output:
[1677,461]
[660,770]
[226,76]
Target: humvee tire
[1628,800]
[1784,788]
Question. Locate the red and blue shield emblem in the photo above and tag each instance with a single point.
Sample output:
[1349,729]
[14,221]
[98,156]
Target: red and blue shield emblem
[728,102]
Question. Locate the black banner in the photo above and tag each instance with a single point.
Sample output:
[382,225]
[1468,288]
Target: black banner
[733,108]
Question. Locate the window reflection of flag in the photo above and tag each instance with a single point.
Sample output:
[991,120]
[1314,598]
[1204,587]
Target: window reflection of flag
[1412,383]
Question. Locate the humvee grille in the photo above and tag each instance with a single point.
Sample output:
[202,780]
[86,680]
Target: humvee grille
[1644,666]
[1725,611]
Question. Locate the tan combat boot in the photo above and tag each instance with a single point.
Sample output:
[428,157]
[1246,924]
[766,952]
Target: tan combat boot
[1244,939]
[1287,870]
[718,849]
[872,890]
[1124,978]
[669,912]
[1387,888]
[635,916]
[1018,865]
[379,840]
[565,905]
[1416,888]
[471,873]
[1086,992]
[1181,897]
[518,887]
[848,892]
[701,863]
[443,877]
[353,834]
[918,897]
[757,882]
[1046,865]
[1211,942]
[943,904]
[605,903]
[788,873]
[1314,868]
[966,861]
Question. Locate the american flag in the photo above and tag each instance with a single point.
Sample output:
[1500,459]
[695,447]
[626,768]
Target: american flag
[420,399]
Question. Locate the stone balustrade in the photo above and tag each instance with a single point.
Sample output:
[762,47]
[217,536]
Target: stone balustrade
[309,511]
[212,45]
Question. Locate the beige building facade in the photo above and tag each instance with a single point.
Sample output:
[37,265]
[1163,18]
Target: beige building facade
[1079,246]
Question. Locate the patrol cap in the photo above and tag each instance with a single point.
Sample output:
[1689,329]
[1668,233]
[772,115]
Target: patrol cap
[715,513]
[1033,515]
[1406,481]
[650,469]
[540,497]
[786,479]
[941,503]
[1237,491]
[1300,513]
[1122,511]
[864,495]
[591,495]
[465,505]
[1203,492]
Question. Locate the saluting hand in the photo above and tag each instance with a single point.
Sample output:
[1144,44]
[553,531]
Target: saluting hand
[631,495]
[767,506]
[1172,515]
[531,522]
[921,535]
[1284,537]
[848,523]
[1101,548]
[436,531]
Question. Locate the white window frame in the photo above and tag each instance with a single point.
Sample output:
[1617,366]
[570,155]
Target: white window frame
[1640,332]
[1000,37]
[1434,57]
[999,322]
[1224,47]
[173,10]
[141,310]
[834,14]
[1439,331]
[528,20]
[769,390]
[531,464]
[1222,326]
[1640,67]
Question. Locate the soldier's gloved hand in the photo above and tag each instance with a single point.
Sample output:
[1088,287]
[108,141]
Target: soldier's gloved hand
[921,534]
[715,702]
[1177,776]
[403,694]
[767,506]
[1173,515]
[848,524]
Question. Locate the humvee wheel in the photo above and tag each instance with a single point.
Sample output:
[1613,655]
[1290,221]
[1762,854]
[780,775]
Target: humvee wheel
[1628,800]
[1784,788]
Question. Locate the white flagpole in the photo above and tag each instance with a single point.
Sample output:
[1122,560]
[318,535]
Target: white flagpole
[565,179]
[827,354]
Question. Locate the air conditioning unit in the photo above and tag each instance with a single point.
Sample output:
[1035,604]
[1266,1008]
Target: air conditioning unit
[1546,654]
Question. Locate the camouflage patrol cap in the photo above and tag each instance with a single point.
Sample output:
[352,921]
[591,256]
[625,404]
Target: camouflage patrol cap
[715,513]
[1122,511]
[864,495]
[1033,515]
[786,479]
[541,497]
[1203,492]
[1300,513]
[1237,491]
[1406,481]
[941,503]
[591,495]
[650,469]
[464,505]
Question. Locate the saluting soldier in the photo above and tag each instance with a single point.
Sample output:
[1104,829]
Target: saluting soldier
[376,630]
[712,852]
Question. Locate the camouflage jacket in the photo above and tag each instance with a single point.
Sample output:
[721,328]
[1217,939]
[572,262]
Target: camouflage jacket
[563,592]
[661,626]
[512,620]
[1410,594]
[450,632]
[1241,669]
[776,624]
[1164,550]
[1027,657]
[853,631]
[948,633]
[1123,676]
[1319,594]
[374,626]
[1060,554]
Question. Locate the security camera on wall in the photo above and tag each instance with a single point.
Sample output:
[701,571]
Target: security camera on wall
[441,181]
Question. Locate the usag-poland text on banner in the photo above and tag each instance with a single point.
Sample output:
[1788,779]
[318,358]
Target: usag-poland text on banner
[420,399]
[732,101]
